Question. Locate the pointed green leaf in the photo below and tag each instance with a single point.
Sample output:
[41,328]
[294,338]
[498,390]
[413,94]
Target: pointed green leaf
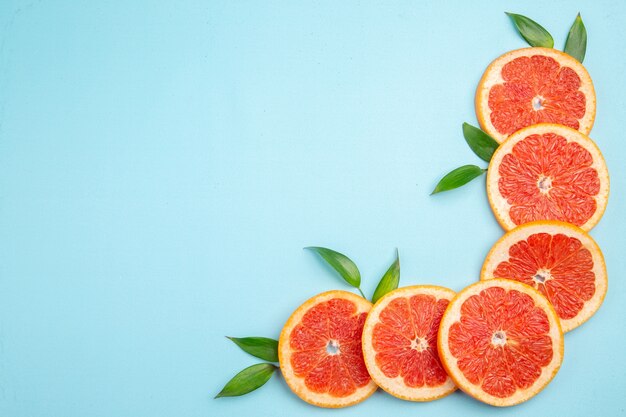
[340,263]
[389,281]
[261,347]
[576,44]
[458,177]
[532,31]
[481,143]
[248,380]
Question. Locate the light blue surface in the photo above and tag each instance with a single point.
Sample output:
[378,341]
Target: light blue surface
[162,165]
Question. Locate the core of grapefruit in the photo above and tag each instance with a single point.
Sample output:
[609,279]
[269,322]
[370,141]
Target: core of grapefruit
[548,172]
[400,343]
[534,85]
[500,341]
[319,350]
[559,260]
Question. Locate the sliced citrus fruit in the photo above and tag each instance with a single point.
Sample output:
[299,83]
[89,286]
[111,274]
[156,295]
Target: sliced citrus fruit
[400,343]
[500,341]
[548,172]
[320,350]
[534,85]
[560,260]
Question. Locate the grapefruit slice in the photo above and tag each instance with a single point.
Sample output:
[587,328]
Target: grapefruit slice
[500,341]
[400,343]
[319,350]
[548,172]
[560,260]
[534,85]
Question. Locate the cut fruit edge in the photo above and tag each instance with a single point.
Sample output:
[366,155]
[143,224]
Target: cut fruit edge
[395,386]
[493,76]
[500,253]
[500,205]
[297,384]
[453,314]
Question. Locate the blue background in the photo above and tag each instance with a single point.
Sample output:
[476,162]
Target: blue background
[162,165]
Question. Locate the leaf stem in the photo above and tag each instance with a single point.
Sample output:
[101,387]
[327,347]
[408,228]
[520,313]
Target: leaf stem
[362,295]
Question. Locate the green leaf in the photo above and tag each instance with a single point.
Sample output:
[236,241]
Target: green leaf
[576,43]
[248,380]
[340,263]
[261,347]
[532,31]
[389,281]
[481,143]
[458,177]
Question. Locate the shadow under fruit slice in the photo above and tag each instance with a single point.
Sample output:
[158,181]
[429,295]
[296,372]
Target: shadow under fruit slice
[500,341]
[400,343]
[320,350]
[548,172]
[559,260]
[534,85]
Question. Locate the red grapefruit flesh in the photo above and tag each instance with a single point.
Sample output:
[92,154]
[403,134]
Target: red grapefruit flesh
[500,341]
[320,350]
[559,260]
[400,343]
[548,172]
[534,85]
